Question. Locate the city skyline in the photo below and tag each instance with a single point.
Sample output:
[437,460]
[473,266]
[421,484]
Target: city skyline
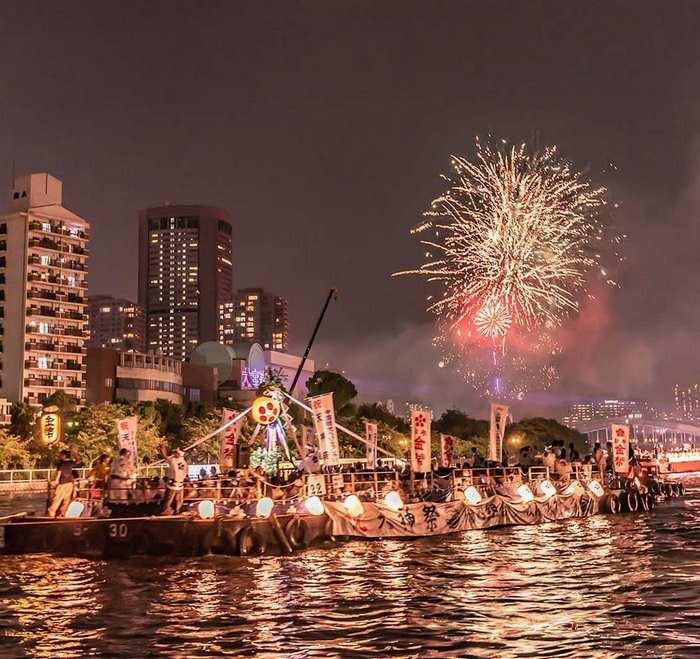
[333,210]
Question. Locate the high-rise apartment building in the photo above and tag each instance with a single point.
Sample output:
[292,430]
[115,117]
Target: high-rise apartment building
[116,323]
[607,408]
[687,400]
[185,273]
[43,283]
[255,315]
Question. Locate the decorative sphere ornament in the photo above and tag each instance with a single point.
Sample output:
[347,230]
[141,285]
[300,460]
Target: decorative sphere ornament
[265,410]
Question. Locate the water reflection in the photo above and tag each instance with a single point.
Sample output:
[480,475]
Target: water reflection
[624,585]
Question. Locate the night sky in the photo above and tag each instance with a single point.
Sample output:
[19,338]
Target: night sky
[323,128]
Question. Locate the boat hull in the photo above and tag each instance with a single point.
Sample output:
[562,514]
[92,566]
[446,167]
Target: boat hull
[127,537]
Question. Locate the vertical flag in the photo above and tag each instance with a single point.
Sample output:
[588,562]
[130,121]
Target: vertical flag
[499,420]
[371,437]
[229,439]
[621,448]
[126,429]
[324,425]
[420,440]
[447,450]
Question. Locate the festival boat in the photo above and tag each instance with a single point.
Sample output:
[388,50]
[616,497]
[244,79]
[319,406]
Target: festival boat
[350,506]
[318,508]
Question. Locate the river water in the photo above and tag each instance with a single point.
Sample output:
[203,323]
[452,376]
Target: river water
[606,586]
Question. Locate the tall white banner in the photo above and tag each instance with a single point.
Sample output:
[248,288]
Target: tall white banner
[447,450]
[371,437]
[126,430]
[229,439]
[420,440]
[324,425]
[497,429]
[621,449]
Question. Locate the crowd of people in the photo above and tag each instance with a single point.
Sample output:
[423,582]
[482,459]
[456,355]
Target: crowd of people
[116,481]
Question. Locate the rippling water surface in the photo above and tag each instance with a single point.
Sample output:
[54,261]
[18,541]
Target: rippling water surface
[604,586]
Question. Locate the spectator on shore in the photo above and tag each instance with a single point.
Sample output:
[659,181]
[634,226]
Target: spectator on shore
[63,484]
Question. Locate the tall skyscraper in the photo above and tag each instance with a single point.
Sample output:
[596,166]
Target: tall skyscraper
[255,315]
[687,401]
[116,323]
[185,273]
[43,282]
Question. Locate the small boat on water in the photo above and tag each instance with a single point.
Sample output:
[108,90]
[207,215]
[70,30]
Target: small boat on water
[680,462]
[346,507]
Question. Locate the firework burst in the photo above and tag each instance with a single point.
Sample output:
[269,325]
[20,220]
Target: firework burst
[515,240]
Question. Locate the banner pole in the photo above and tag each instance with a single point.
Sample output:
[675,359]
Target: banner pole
[337,425]
[230,422]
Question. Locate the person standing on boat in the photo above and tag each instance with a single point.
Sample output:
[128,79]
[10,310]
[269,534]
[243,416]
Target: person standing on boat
[121,477]
[599,457]
[63,484]
[175,480]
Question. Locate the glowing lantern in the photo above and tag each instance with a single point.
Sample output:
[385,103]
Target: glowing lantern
[354,506]
[265,410]
[206,509]
[50,425]
[525,493]
[472,495]
[547,488]
[393,501]
[75,509]
[264,507]
[314,505]
[570,488]
[596,488]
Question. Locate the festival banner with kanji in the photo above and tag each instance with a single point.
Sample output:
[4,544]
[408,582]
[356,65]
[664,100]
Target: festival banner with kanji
[621,449]
[447,450]
[371,437]
[324,425]
[229,439]
[420,440]
[126,429]
[497,429]
[430,518]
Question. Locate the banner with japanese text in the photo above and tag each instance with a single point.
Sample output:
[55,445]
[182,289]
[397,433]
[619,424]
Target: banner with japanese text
[126,429]
[620,449]
[447,450]
[229,438]
[431,518]
[324,426]
[497,429]
[420,440]
[371,437]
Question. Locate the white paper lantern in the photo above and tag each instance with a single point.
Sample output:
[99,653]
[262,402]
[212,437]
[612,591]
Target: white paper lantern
[75,509]
[525,493]
[547,488]
[596,488]
[570,488]
[472,495]
[354,506]
[314,505]
[393,500]
[206,509]
[264,507]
